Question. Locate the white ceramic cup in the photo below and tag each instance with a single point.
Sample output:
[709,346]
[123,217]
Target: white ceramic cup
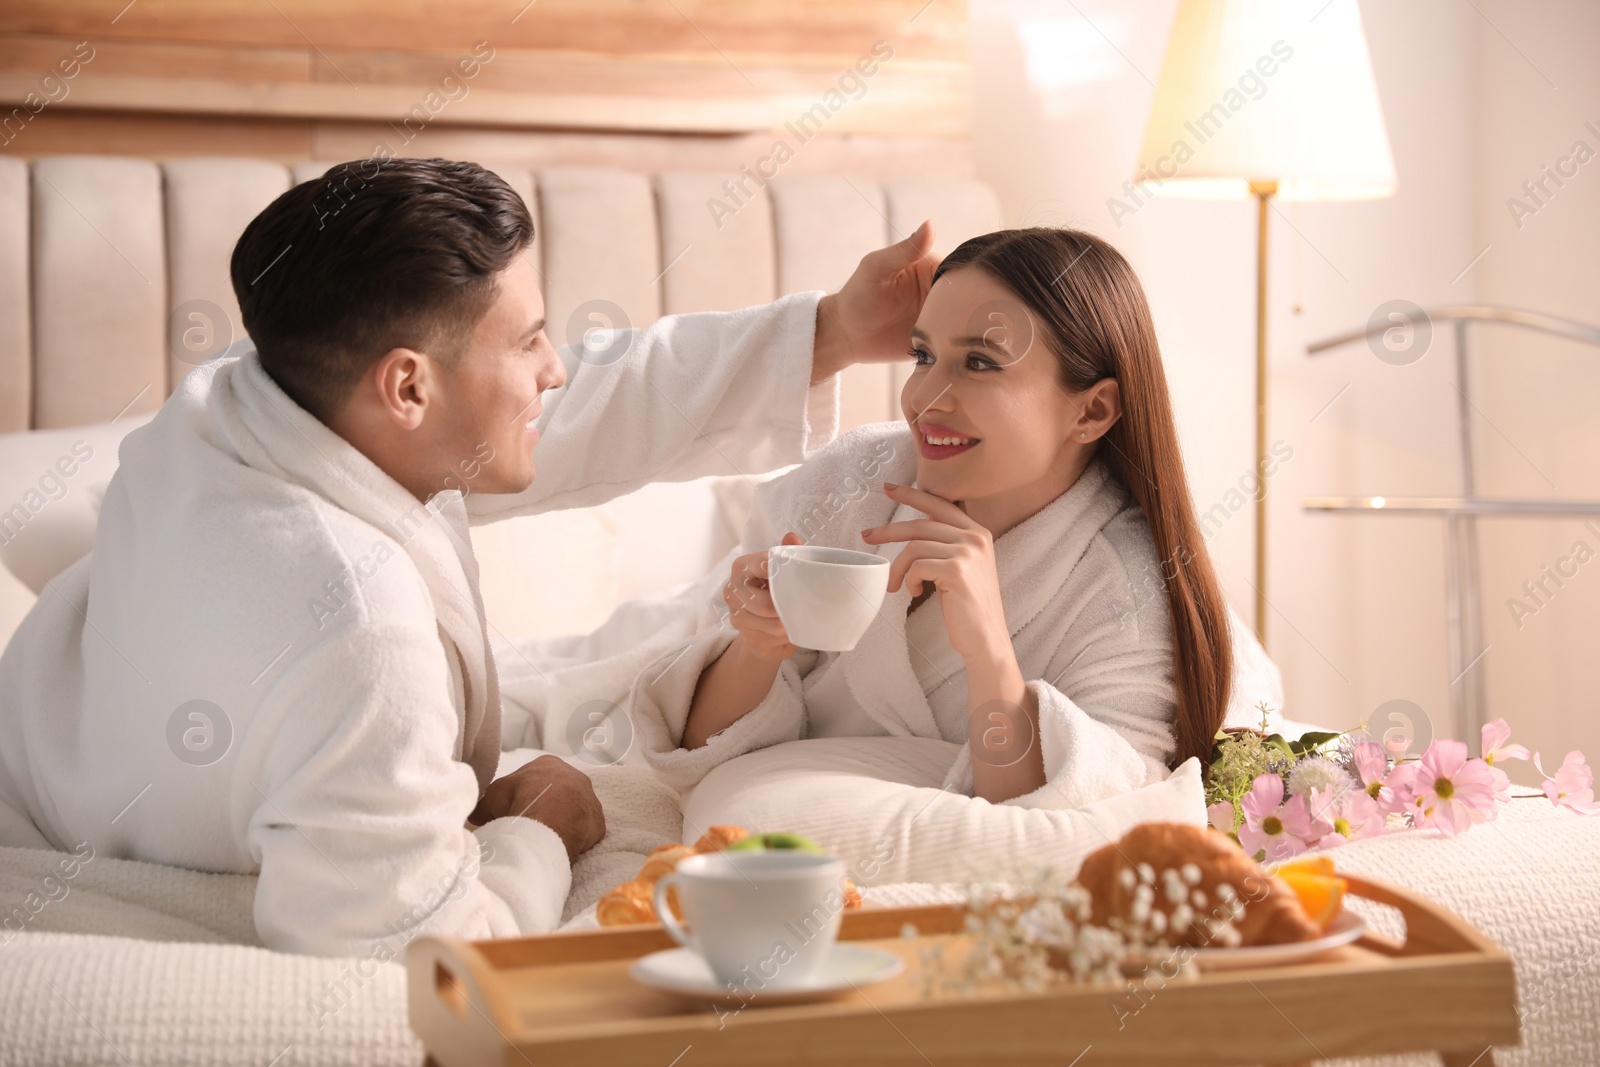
[826,597]
[761,920]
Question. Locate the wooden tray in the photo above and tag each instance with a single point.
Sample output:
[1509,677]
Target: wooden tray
[568,999]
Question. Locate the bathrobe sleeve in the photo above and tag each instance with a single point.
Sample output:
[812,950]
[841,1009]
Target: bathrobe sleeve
[713,393]
[1106,694]
[664,691]
[357,811]
[661,698]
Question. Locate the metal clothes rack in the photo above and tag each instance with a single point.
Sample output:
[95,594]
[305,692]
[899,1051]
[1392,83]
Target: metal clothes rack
[1464,611]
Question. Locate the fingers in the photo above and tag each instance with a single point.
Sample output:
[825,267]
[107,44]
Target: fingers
[749,595]
[928,571]
[935,507]
[902,254]
[914,552]
[749,623]
[519,791]
[915,529]
[551,791]
[792,538]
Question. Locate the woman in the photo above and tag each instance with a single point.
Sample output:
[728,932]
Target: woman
[1050,602]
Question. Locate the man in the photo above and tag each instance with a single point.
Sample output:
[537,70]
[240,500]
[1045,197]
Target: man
[275,658]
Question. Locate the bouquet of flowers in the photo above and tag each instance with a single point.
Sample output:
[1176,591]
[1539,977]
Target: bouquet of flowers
[1278,797]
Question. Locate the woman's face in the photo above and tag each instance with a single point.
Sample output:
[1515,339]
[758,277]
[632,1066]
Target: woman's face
[996,429]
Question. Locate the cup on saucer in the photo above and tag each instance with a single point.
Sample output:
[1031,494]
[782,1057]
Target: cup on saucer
[762,921]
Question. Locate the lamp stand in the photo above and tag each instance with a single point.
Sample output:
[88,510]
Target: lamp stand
[1262,190]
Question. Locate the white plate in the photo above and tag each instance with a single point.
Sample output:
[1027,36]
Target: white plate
[1346,927]
[848,967]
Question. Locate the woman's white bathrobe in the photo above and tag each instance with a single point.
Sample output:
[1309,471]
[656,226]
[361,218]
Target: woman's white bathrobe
[1083,601]
[275,659]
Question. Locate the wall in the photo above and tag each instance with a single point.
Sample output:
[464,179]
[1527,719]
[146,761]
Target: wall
[1357,619]
[1538,435]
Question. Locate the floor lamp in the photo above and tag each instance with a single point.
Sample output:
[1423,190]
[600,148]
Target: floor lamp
[1270,99]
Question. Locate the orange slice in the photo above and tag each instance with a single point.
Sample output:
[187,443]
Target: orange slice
[1322,896]
[1322,865]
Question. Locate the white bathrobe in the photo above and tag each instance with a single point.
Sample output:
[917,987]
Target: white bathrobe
[1083,601]
[275,659]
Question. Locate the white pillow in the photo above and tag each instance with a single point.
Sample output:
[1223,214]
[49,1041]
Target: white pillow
[875,802]
[51,485]
[564,572]
[1256,679]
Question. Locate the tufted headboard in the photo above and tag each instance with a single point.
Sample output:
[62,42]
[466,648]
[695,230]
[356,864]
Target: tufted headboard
[114,270]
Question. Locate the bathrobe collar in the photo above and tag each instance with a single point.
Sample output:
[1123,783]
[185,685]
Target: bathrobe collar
[271,433]
[1032,559]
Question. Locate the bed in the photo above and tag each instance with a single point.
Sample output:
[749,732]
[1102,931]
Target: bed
[127,962]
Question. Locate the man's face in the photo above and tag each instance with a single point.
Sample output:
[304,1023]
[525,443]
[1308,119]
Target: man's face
[491,397]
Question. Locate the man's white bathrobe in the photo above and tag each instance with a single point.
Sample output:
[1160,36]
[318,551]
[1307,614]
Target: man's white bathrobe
[275,659]
[1083,601]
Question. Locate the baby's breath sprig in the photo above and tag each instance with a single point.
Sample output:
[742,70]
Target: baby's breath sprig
[1042,932]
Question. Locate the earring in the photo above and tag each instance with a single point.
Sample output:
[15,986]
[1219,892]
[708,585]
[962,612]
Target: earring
[1083,435]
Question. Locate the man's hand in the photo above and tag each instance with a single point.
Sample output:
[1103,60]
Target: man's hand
[870,319]
[552,791]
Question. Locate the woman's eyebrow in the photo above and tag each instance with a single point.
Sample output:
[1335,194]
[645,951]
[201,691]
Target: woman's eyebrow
[979,341]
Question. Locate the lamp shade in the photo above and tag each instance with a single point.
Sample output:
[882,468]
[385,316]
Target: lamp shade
[1267,91]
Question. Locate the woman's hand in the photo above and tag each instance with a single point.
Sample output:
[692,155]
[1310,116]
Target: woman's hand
[953,553]
[742,676]
[751,611]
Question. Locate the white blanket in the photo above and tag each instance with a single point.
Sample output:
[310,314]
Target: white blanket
[1083,601]
[276,659]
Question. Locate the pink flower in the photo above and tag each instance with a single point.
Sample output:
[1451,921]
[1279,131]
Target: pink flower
[1220,815]
[1494,743]
[1349,816]
[1495,748]
[1451,791]
[1572,786]
[1390,790]
[1272,826]
[1402,784]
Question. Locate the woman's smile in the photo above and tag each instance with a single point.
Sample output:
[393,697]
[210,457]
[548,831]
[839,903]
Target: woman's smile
[941,442]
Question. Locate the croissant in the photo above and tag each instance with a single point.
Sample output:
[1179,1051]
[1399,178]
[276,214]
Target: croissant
[1272,913]
[662,862]
[628,903]
[718,838]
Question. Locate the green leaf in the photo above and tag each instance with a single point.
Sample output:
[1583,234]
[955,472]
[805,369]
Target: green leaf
[1310,743]
[1315,738]
[1278,742]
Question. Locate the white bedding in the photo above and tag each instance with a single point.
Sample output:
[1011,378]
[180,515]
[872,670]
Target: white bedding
[134,963]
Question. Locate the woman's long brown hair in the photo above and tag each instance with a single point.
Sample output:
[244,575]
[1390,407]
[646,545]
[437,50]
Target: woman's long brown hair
[1098,325]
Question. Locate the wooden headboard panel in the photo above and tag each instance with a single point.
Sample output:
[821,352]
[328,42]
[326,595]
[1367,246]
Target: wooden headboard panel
[875,87]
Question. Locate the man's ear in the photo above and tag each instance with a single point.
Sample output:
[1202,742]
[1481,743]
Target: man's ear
[405,381]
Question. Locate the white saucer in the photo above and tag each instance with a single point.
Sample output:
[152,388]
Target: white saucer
[1346,927]
[847,967]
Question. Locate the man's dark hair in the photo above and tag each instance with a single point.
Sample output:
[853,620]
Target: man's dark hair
[374,255]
